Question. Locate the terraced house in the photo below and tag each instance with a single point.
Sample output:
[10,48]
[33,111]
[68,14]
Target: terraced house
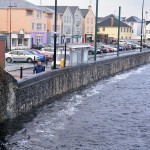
[26,22]
[109,26]
[88,23]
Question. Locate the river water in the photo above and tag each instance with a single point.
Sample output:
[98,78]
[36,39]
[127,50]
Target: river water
[112,114]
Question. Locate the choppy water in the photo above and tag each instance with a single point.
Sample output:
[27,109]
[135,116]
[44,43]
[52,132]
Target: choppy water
[113,114]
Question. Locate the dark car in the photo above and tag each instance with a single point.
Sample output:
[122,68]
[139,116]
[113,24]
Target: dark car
[91,51]
[38,46]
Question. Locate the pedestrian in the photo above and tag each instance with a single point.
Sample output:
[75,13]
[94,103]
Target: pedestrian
[39,67]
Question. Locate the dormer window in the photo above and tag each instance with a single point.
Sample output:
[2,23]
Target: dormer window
[39,14]
[29,12]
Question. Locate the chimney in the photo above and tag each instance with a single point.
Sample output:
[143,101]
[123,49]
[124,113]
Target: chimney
[112,21]
[89,7]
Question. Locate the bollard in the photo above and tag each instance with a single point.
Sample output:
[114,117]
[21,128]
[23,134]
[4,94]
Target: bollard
[21,72]
[62,63]
[34,61]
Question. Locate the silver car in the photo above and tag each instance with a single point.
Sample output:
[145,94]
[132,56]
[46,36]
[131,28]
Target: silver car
[20,56]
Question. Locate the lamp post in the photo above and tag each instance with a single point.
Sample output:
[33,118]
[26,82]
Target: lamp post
[142,27]
[55,36]
[118,46]
[10,6]
[146,12]
[96,30]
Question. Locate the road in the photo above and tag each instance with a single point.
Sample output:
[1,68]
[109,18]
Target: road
[113,114]
[14,68]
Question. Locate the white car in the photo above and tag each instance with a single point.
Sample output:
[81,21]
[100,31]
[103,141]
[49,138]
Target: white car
[48,50]
[20,56]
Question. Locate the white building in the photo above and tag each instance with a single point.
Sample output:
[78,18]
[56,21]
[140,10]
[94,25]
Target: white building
[135,23]
[77,24]
[147,30]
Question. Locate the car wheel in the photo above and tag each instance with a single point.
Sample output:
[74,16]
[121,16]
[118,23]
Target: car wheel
[9,60]
[29,60]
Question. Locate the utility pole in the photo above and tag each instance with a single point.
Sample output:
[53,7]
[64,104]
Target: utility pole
[55,35]
[96,30]
[10,6]
[146,12]
[118,46]
[142,27]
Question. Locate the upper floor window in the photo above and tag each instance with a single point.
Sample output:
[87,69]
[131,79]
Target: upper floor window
[127,29]
[29,12]
[87,20]
[91,20]
[39,27]
[50,16]
[103,28]
[65,19]
[44,27]
[87,29]
[39,14]
[32,26]
[124,29]
[91,29]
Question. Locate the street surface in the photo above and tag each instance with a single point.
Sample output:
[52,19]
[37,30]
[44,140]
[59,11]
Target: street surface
[113,114]
[14,68]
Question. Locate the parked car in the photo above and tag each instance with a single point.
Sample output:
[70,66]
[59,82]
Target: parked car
[47,55]
[20,56]
[38,46]
[41,57]
[104,49]
[91,51]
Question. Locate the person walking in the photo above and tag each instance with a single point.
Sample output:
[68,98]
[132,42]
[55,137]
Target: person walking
[39,67]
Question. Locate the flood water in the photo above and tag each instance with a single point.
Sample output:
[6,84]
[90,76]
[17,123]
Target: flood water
[113,114]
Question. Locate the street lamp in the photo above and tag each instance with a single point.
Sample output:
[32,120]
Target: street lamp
[55,36]
[146,12]
[96,30]
[142,27]
[10,6]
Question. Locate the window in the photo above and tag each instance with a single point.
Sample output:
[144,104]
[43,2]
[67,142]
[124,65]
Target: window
[32,26]
[122,37]
[87,29]
[39,27]
[13,53]
[39,14]
[44,27]
[50,16]
[14,42]
[91,29]
[87,20]
[91,20]
[103,28]
[25,42]
[20,53]
[65,19]
[29,12]
[39,39]
[124,29]
[70,19]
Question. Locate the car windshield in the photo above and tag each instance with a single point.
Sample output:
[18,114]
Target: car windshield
[33,52]
[27,53]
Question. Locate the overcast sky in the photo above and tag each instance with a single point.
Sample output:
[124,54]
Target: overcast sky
[106,7]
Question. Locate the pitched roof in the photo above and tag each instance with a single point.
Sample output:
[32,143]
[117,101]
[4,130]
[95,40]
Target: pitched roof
[60,9]
[47,9]
[134,19]
[19,3]
[84,12]
[73,9]
[107,22]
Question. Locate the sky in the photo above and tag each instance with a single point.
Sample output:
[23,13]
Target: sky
[106,7]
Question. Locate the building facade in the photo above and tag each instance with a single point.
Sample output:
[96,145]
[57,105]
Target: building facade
[135,23]
[109,26]
[77,24]
[88,25]
[24,24]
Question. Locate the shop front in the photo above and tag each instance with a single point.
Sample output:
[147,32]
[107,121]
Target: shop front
[20,40]
[39,37]
[88,38]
